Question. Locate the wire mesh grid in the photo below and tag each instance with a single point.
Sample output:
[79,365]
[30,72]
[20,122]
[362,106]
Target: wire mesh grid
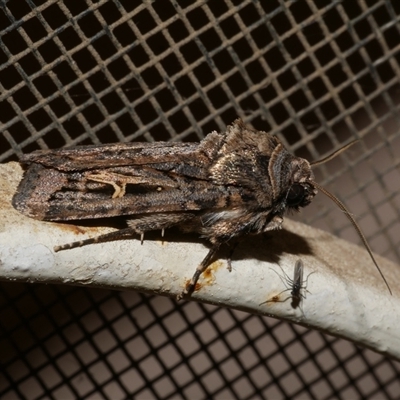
[318,73]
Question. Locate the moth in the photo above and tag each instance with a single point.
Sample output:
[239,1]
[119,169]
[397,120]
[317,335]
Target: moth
[238,182]
[295,285]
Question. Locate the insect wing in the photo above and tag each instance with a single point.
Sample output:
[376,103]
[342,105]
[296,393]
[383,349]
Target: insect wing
[120,179]
[297,278]
[91,157]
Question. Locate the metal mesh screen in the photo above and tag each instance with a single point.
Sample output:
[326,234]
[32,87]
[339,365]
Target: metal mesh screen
[318,73]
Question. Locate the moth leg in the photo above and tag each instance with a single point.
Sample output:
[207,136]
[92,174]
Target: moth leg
[136,226]
[127,232]
[232,247]
[158,221]
[275,223]
[189,289]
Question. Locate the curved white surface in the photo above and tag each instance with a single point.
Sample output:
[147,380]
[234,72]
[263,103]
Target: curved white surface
[347,296]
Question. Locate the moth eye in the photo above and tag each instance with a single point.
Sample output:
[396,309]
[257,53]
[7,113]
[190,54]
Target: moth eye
[295,195]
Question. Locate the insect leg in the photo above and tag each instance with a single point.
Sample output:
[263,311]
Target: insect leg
[232,248]
[189,289]
[127,232]
[137,226]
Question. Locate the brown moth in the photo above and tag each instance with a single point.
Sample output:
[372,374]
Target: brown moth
[228,185]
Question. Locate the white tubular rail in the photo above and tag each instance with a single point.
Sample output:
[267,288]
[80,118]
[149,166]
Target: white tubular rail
[345,295]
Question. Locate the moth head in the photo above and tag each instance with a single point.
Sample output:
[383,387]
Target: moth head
[291,180]
[301,190]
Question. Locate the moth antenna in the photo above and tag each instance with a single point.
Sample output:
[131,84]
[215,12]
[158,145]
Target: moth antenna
[334,154]
[355,224]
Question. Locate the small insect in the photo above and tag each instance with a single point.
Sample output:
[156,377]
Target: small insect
[295,285]
[235,183]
